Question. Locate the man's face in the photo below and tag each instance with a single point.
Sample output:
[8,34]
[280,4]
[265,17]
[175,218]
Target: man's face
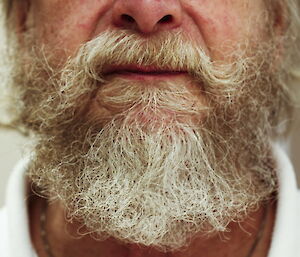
[211,24]
[152,118]
[220,28]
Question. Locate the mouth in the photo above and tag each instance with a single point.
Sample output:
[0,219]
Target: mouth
[142,72]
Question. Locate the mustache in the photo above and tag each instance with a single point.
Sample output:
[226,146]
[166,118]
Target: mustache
[68,90]
[166,51]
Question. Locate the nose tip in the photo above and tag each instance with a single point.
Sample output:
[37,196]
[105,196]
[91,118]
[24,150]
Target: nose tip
[147,16]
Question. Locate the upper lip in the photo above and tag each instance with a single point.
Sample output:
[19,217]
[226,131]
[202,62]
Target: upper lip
[140,69]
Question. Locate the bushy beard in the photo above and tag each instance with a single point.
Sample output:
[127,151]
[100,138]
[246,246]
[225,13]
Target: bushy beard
[162,162]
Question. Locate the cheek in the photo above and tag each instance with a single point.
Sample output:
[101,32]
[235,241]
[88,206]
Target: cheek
[218,21]
[66,24]
[226,30]
[221,32]
[224,27]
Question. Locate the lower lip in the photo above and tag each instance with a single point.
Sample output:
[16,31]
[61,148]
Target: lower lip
[148,76]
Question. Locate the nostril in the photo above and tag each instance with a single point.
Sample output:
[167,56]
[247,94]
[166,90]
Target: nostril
[166,19]
[127,18]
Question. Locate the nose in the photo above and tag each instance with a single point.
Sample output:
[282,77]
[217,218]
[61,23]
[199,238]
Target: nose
[147,16]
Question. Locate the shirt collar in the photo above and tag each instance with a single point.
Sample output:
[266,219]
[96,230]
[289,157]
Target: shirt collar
[286,228]
[18,221]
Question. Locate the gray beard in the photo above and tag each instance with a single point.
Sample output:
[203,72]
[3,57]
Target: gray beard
[191,168]
[155,182]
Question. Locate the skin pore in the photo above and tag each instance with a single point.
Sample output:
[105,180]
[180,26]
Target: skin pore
[215,25]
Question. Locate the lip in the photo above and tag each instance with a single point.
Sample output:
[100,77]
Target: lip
[142,72]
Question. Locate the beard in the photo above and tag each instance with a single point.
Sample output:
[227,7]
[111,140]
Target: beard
[153,163]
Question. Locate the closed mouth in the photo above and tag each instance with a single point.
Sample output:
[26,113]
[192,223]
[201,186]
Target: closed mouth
[141,70]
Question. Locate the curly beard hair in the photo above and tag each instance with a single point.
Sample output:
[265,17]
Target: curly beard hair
[153,163]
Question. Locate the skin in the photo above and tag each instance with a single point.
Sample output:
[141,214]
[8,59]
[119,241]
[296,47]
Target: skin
[211,23]
[216,25]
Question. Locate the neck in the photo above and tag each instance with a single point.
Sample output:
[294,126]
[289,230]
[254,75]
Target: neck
[64,240]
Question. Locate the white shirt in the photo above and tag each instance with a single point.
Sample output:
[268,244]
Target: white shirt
[14,225]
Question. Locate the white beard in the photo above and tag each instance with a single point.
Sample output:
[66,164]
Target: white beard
[151,179]
[191,168]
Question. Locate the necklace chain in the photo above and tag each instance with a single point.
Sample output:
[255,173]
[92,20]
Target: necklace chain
[47,248]
[43,219]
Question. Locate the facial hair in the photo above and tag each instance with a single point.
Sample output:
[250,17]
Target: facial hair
[163,161]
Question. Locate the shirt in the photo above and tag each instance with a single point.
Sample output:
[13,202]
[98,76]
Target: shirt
[14,223]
